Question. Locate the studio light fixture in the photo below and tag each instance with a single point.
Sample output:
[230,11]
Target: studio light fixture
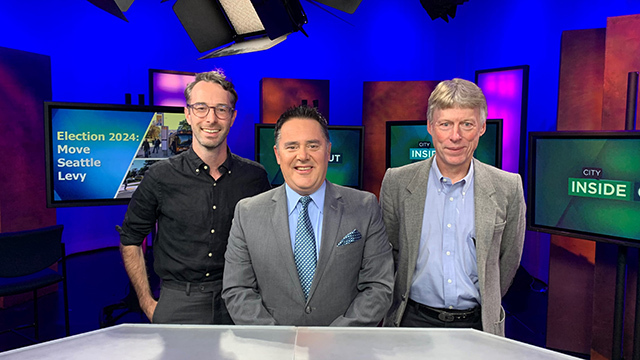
[229,27]
[441,8]
[348,6]
[114,7]
[250,25]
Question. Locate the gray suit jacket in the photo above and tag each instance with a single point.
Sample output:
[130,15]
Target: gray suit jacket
[352,285]
[499,224]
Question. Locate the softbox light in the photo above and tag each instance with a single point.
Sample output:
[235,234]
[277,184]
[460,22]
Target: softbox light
[251,24]
[114,7]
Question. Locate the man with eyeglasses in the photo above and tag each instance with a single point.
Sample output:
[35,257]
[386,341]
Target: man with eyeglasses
[192,197]
[456,225]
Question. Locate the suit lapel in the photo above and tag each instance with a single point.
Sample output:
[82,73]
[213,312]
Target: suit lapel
[414,211]
[485,215]
[280,227]
[332,214]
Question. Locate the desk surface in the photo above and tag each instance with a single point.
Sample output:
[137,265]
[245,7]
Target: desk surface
[148,341]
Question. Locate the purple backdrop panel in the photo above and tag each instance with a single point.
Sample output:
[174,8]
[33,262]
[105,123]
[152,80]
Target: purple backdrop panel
[25,83]
[166,88]
[505,90]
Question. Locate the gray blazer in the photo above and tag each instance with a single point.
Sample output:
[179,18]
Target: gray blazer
[499,223]
[353,283]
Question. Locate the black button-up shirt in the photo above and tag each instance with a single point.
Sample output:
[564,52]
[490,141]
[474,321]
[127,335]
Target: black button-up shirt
[193,212]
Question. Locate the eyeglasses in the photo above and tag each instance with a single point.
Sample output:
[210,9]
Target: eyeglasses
[201,110]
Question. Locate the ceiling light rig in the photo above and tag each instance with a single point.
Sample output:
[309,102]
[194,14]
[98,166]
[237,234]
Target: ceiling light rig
[230,27]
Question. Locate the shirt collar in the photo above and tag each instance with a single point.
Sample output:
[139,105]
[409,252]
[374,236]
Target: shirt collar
[293,197]
[466,181]
[197,165]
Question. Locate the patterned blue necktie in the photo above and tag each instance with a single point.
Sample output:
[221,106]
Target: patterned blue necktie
[305,248]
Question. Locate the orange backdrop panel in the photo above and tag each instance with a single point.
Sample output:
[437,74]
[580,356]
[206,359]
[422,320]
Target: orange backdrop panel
[571,261]
[388,101]
[277,95]
[621,57]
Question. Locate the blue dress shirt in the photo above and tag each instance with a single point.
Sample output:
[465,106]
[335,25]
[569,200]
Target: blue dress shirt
[315,210]
[446,274]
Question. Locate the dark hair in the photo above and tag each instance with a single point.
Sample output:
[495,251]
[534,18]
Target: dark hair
[217,77]
[304,112]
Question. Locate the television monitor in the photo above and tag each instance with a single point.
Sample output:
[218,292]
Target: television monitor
[585,185]
[95,153]
[345,163]
[166,87]
[409,141]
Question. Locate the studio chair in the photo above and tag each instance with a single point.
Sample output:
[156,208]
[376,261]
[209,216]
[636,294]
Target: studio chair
[25,258]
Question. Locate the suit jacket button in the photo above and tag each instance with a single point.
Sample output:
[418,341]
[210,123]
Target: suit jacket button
[404,297]
[396,324]
[308,310]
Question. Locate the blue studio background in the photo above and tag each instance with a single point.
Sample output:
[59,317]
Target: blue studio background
[97,58]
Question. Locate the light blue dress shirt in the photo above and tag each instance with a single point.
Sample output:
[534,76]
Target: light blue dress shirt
[315,210]
[446,274]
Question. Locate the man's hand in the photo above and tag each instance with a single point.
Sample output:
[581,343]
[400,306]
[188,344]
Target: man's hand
[149,308]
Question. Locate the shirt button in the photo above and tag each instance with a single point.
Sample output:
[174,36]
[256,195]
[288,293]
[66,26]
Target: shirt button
[463,193]
[448,253]
[308,310]
[210,254]
[214,184]
[214,207]
[448,225]
[450,306]
[212,231]
[207,274]
[229,171]
[449,281]
[197,170]
[206,167]
[451,199]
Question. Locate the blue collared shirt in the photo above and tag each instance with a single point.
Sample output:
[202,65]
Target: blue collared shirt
[446,274]
[315,208]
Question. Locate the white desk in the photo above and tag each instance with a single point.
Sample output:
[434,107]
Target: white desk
[148,341]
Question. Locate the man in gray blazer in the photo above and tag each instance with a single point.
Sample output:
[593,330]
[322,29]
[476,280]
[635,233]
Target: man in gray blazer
[456,225]
[308,253]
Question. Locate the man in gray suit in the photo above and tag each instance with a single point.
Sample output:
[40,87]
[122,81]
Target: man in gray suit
[456,225]
[308,253]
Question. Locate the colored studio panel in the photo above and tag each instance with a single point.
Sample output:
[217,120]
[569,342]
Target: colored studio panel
[572,261]
[388,101]
[621,57]
[277,95]
[166,87]
[506,91]
[580,83]
[25,83]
